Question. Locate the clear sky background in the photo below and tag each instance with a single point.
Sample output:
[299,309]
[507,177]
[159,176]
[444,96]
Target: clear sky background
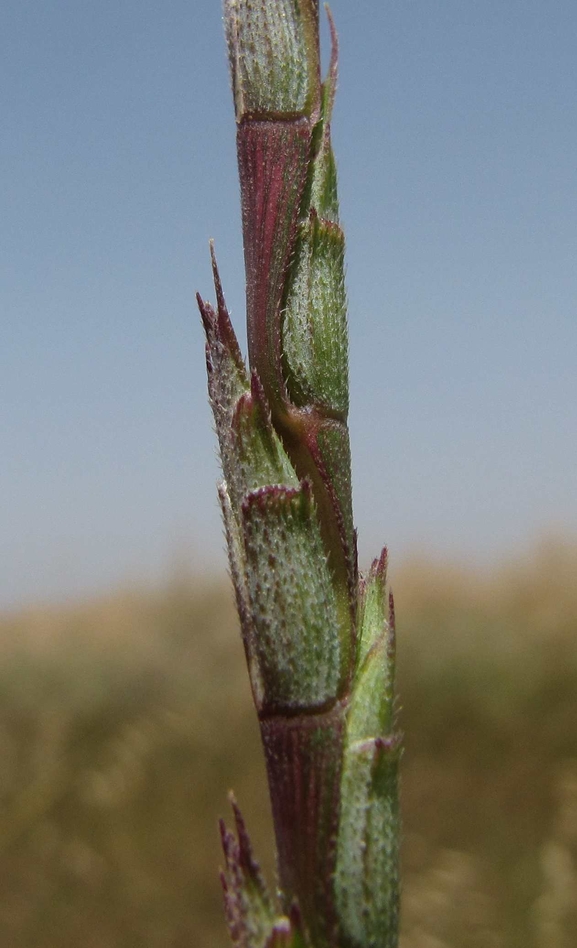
[456,139]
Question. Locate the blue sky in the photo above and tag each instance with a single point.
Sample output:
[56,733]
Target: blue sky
[456,143]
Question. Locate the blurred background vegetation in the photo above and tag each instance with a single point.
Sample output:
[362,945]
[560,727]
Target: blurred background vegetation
[125,720]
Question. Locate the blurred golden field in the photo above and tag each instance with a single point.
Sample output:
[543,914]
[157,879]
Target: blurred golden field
[125,720]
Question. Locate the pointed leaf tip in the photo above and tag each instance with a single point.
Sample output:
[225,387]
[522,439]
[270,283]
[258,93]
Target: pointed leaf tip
[207,315]
[249,910]
[222,318]
[381,566]
[216,278]
[247,861]
[229,848]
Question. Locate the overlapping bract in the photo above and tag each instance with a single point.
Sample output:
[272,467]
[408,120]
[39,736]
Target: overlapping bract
[367,873]
[285,596]
[250,913]
[319,646]
[287,604]
[294,259]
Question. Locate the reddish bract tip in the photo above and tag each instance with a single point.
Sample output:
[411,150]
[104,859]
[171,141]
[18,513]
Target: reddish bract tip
[382,564]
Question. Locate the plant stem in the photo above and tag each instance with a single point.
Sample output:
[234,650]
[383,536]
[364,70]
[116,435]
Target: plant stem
[319,641]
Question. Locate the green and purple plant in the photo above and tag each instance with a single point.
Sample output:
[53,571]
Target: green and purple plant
[319,639]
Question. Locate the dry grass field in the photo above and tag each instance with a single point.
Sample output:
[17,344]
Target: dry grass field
[124,721]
